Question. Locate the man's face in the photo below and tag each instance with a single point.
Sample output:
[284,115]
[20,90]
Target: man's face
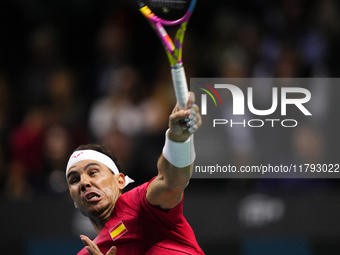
[93,187]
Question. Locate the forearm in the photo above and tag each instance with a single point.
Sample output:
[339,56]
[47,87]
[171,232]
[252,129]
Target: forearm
[174,178]
[175,165]
[166,190]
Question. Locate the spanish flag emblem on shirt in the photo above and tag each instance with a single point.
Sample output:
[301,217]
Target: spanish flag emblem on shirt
[118,230]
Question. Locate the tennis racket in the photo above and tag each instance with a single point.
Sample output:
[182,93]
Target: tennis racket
[162,13]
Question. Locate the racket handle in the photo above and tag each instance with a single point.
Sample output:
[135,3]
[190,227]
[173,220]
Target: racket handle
[180,85]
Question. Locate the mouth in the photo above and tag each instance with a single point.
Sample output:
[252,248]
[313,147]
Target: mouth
[92,197]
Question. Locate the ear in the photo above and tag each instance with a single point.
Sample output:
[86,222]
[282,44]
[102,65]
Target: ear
[75,205]
[120,181]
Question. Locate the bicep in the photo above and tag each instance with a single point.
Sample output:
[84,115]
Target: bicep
[159,195]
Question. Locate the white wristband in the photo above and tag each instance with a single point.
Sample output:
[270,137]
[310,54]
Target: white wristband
[179,154]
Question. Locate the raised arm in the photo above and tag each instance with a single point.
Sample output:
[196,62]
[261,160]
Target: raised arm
[176,162]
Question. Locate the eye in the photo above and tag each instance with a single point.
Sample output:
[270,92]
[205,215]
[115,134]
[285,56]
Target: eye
[73,180]
[93,172]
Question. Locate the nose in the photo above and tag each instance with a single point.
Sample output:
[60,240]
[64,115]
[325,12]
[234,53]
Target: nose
[84,183]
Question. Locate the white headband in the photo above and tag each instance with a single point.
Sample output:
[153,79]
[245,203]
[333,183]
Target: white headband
[97,156]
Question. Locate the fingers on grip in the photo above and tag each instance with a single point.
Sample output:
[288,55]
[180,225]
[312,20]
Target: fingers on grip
[192,120]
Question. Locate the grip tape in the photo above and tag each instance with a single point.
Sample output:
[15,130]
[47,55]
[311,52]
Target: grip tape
[180,85]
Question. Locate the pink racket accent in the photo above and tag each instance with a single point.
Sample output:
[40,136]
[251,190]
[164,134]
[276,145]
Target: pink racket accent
[173,50]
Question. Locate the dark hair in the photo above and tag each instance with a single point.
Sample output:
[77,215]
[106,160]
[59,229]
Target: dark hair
[99,148]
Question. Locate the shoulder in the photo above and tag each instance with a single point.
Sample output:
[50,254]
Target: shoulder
[135,200]
[132,198]
[137,191]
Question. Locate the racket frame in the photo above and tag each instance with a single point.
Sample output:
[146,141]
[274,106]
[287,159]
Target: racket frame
[173,48]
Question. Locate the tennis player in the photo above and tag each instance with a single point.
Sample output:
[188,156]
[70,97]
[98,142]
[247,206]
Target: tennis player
[149,218]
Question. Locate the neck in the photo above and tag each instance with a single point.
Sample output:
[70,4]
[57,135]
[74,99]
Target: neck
[99,221]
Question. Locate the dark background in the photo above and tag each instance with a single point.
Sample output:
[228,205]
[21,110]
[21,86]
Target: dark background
[73,72]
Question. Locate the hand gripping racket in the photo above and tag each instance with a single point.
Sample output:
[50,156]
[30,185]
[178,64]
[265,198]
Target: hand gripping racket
[161,13]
